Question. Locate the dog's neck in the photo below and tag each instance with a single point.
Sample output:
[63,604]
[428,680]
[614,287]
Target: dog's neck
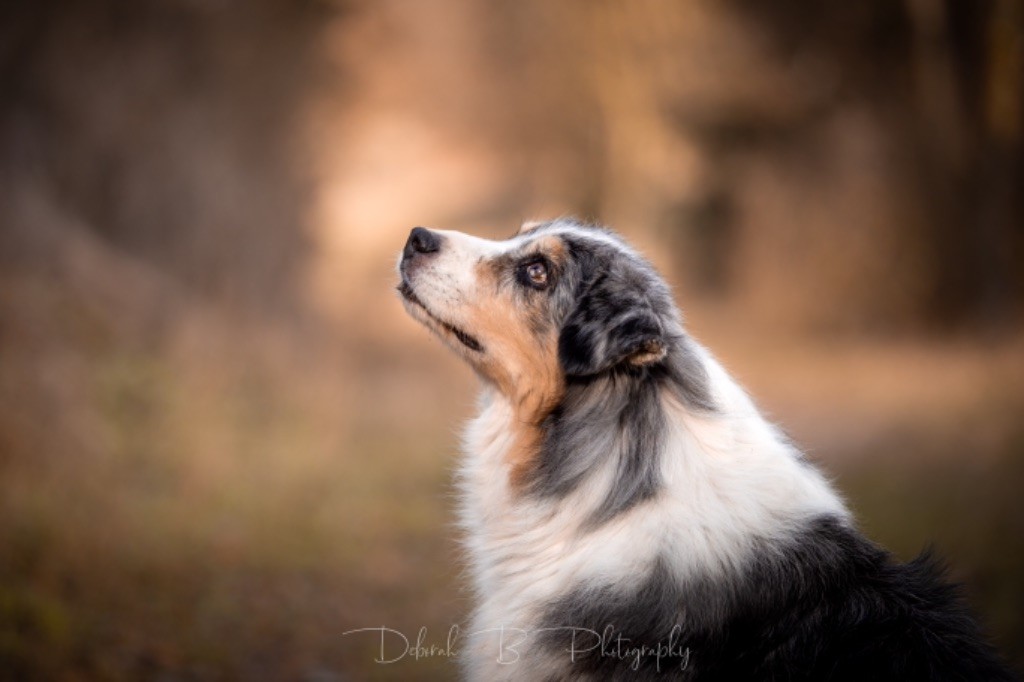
[636,452]
[564,427]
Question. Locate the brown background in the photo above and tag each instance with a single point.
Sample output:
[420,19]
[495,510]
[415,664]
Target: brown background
[222,444]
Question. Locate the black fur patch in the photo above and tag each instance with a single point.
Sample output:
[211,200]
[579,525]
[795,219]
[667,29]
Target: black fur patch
[828,606]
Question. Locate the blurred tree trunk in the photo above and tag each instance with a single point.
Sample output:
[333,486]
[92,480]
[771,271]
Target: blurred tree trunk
[965,121]
[169,131]
[947,78]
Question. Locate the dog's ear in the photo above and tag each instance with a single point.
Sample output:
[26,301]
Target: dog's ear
[605,330]
[530,225]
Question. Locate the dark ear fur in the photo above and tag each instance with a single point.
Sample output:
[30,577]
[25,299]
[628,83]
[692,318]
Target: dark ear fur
[607,328]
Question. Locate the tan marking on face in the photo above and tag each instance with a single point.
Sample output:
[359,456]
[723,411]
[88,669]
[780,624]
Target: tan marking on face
[522,357]
[553,247]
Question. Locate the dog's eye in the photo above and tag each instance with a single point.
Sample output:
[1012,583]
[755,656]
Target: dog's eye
[537,274]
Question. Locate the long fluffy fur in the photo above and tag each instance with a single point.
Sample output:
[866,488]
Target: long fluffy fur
[664,529]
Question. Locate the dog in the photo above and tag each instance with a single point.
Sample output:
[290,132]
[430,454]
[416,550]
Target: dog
[627,511]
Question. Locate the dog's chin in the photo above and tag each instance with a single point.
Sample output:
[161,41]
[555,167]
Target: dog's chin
[459,338]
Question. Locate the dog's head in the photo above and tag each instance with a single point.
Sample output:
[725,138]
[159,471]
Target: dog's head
[558,300]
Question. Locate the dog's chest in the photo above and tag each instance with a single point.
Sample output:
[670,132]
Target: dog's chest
[514,544]
[526,552]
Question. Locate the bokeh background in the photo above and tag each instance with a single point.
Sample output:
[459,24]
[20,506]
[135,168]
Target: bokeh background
[222,444]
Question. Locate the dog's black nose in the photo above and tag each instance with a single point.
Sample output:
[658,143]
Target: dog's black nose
[421,240]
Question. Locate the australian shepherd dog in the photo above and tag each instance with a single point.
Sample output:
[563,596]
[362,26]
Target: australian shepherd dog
[627,511]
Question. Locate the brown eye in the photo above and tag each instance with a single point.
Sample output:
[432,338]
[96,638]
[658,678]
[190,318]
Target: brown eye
[537,274]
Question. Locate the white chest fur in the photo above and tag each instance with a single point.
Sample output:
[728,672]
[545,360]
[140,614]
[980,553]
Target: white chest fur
[728,479]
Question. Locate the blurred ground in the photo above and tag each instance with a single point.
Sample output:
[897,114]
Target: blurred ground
[222,444]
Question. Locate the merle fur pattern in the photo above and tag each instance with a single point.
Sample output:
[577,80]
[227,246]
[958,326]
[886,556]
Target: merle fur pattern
[611,408]
[829,605]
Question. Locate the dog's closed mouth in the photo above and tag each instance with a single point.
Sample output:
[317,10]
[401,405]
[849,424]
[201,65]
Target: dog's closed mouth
[466,339]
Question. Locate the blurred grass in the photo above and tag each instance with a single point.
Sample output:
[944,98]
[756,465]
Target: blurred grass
[221,532]
[207,503]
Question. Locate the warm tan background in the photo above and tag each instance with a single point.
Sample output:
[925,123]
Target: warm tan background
[222,444]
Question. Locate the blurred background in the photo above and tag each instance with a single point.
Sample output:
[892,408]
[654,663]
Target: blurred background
[223,444]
